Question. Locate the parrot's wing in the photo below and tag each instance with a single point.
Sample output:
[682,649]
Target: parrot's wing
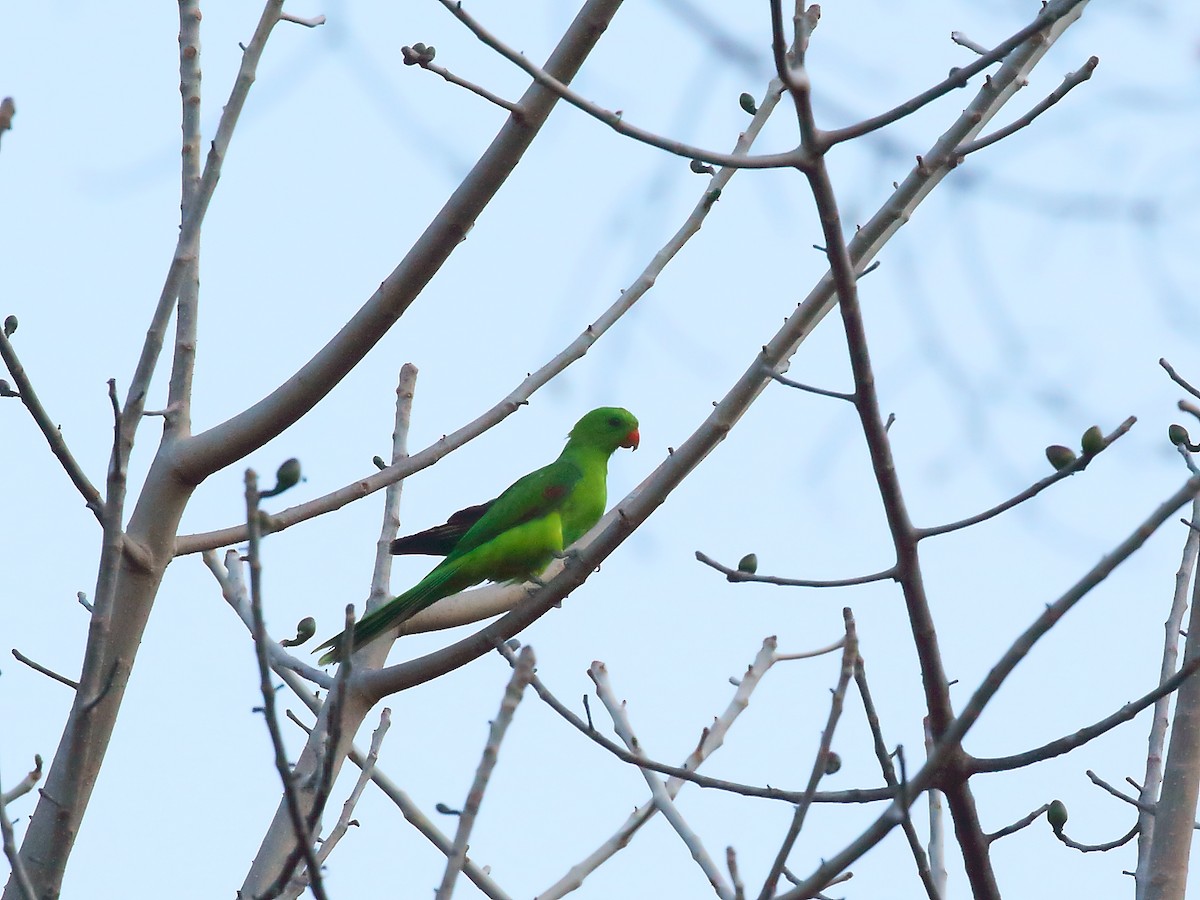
[441,539]
[529,498]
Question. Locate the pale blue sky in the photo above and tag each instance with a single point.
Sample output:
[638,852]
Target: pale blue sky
[1029,298]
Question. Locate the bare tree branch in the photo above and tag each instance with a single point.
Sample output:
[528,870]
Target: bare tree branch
[1080,463]
[889,775]
[1023,822]
[521,394]
[20,876]
[302,832]
[491,751]
[228,442]
[1179,379]
[737,575]
[950,743]
[1157,738]
[38,667]
[1052,14]
[598,672]
[1071,81]
[791,159]
[58,445]
[819,767]
[1083,735]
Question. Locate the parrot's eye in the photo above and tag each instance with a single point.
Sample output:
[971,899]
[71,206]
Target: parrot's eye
[614,422]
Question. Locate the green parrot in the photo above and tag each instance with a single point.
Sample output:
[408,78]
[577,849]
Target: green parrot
[514,536]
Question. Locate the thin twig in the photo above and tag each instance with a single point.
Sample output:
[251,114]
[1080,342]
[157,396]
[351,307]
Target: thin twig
[1072,80]
[307,22]
[889,775]
[302,835]
[1098,848]
[233,589]
[38,667]
[867,795]
[711,739]
[963,41]
[1141,805]
[614,120]
[403,802]
[1179,379]
[737,575]
[345,820]
[430,66]
[849,657]
[958,78]
[320,777]
[822,392]
[1083,735]
[10,850]
[491,750]
[739,889]
[26,784]
[1080,463]
[50,431]
[598,672]
[381,575]
[1024,822]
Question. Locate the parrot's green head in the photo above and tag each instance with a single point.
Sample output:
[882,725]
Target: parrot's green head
[607,428]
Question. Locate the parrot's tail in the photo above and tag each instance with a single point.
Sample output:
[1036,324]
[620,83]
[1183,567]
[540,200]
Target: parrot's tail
[433,587]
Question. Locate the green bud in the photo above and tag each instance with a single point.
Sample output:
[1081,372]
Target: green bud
[1056,815]
[746,102]
[305,629]
[6,389]
[748,564]
[379,463]
[1060,457]
[833,762]
[286,476]
[1092,441]
[700,168]
[1178,435]
[10,325]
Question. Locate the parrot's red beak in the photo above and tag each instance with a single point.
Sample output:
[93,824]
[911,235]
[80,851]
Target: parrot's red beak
[632,440]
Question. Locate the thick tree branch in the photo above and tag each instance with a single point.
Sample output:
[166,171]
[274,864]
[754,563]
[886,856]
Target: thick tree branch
[228,442]
[520,395]
[950,744]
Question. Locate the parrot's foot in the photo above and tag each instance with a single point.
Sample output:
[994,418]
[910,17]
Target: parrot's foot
[568,556]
